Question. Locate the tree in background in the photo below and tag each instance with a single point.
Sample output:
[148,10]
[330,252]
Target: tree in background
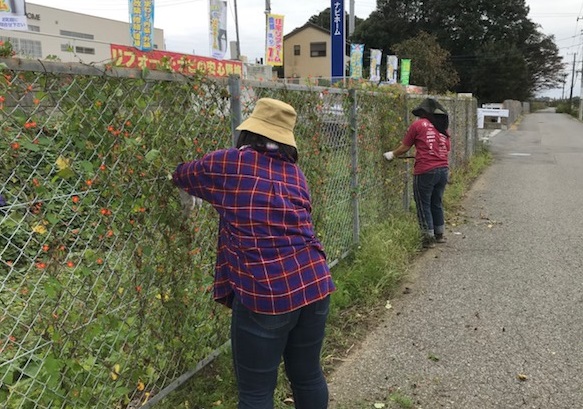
[323,20]
[501,73]
[431,67]
[471,31]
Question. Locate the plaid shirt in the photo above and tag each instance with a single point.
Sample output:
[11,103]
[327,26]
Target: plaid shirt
[267,252]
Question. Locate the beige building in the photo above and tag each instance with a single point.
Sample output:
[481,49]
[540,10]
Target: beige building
[307,53]
[70,36]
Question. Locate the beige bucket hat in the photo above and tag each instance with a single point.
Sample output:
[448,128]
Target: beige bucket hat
[273,119]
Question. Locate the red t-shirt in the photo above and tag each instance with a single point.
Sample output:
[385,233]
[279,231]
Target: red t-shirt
[431,146]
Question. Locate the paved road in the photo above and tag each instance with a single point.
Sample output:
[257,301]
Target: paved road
[494,319]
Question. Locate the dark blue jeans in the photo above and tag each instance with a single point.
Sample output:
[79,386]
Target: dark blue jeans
[428,189]
[259,341]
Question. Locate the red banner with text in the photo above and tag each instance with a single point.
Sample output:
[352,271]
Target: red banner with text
[130,57]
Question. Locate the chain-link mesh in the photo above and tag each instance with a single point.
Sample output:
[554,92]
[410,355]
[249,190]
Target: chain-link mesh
[105,284]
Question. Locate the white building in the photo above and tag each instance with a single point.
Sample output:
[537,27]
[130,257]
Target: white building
[69,36]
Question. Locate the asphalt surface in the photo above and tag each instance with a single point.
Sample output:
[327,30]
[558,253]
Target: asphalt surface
[493,318]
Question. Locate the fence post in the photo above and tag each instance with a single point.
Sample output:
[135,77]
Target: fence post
[453,119]
[354,154]
[235,92]
[407,187]
[469,133]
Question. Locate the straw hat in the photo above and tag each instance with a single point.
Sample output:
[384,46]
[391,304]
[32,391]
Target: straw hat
[273,119]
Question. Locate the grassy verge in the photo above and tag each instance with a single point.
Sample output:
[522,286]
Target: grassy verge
[364,282]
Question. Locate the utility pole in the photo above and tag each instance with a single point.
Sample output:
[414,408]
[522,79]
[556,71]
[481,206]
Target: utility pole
[237,31]
[581,92]
[572,83]
[267,13]
[351,19]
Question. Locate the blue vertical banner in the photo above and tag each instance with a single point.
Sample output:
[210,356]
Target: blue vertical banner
[337,28]
[142,24]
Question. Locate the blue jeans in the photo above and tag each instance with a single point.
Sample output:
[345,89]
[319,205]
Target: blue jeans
[428,189]
[259,341]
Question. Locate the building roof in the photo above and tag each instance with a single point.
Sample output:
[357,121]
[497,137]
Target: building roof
[305,26]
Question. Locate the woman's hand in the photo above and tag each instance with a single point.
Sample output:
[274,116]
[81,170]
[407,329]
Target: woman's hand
[389,155]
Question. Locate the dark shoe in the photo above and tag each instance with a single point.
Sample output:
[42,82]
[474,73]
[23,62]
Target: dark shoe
[439,238]
[428,242]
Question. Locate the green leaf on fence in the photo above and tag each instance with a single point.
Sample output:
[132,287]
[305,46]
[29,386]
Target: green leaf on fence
[32,368]
[87,166]
[40,95]
[45,141]
[66,173]
[52,219]
[7,374]
[51,368]
[142,104]
[88,363]
[152,155]
[147,250]
[30,146]
[52,288]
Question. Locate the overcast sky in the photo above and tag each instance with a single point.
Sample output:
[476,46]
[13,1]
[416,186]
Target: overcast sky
[185,22]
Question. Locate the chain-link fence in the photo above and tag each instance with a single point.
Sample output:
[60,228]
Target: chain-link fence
[105,285]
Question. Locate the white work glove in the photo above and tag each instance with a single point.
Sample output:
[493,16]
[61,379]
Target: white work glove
[188,202]
[389,155]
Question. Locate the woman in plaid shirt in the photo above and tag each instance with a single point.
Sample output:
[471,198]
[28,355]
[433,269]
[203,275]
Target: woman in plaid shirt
[271,269]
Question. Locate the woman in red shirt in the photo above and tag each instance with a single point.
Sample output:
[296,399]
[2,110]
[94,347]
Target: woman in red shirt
[430,136]
[271,268]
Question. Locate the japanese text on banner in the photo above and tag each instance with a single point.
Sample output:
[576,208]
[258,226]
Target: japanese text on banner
[142,24]
[338,39]
[218,28]
[274,52]
[129,57]
[12,15]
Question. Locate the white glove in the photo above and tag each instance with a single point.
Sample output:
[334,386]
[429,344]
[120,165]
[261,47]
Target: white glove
[188,202]
[389,155]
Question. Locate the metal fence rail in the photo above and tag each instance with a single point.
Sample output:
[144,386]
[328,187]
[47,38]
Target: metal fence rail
[105,285]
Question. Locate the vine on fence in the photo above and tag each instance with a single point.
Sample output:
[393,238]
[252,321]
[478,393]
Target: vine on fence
[106,278]
[106,293]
